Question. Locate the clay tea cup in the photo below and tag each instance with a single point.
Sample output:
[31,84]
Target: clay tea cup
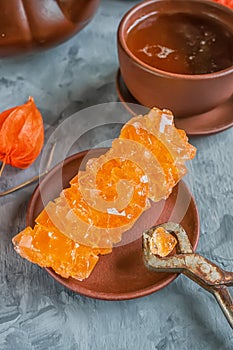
[177,54]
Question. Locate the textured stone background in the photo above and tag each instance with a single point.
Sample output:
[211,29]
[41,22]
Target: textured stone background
[35,311]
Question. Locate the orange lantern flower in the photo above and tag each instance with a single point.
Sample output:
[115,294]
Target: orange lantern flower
[21,135]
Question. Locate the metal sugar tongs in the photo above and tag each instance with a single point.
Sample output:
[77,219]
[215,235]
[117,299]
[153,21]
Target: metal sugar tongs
[196,267]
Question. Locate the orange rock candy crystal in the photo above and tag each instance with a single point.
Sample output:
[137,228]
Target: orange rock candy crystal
[162,242]
[106,199]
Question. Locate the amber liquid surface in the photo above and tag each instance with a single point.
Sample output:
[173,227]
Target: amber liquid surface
[182,43]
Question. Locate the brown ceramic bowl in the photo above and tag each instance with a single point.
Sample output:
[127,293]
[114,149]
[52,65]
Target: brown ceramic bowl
[27,26]
[185,95]
[121,274]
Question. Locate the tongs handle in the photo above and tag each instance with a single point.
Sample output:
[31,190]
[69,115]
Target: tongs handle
[196,267]
[220,292]
[224,299]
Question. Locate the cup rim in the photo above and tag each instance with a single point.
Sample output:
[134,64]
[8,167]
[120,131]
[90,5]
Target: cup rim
[121,38]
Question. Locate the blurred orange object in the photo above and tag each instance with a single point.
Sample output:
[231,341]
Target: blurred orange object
[228,3]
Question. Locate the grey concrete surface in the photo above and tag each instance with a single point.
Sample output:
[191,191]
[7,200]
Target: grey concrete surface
[36,313]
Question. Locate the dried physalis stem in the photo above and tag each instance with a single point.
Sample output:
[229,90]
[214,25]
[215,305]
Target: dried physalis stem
[31,180]
[162,242]
[2,167]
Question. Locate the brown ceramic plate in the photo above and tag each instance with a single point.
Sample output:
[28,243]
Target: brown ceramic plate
[216,120]
[121,274]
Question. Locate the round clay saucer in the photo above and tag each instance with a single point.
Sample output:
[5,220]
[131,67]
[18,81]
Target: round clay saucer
[216,120]
[121,274]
